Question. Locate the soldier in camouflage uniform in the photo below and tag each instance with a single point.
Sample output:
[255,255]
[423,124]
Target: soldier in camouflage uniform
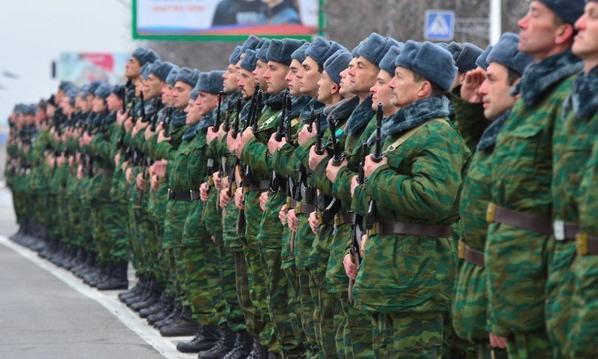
[406,277]
[506,64]
[570,307]
[519,230]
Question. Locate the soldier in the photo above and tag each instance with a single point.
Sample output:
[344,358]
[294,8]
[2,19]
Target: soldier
[571,282]
[519,207]
[405,278]
[493,93]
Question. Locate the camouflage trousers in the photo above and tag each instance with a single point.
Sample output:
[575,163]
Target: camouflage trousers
[176,214]
[307,305]
[198,269]
[582,337]
[527,345]
[100,233]
[408,334]
[470,303]
[560,308]
[256,270]
[269,240]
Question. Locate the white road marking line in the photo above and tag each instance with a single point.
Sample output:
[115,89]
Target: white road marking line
[108,300]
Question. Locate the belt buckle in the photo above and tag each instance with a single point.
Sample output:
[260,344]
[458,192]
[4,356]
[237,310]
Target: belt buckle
[461,249]
[337,220]
[373,231]
[298,208]
[581,242]
[490,212]
[169,192]
[558,228]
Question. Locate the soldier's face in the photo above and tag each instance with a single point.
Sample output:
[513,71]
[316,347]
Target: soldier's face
[153,87]
[114,103]
[193,111]
[258,73]
[495,91]
[586,41]
[345,86]
[230,79]
[180,95]
[539,31]
[98,105]
[404,87]
[50,110]
[362,75]
[132,68]
[246,83]
[292,80]
[167,95]
[381,91]
[207,101]
[308,76]
[326,89]
[275,77]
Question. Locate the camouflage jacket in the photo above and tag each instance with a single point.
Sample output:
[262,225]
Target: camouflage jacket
[521,176]
[420,184]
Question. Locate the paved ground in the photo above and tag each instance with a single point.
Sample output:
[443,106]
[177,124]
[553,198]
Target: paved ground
[45,312]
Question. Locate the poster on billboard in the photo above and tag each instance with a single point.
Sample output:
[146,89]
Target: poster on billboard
[225,19]
[82,67]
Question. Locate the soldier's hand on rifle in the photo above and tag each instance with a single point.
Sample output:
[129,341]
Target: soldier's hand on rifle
[129,175]
[370,165]
[159,168]
[314,222]
[231,143]
[245,138]
[80,172]
[350,266]
[148,133]
[314,158]
[204,189]
[140,182]
[263,200]
[305,134]
[471,86]
[224,198]
[354,184]
[332,170]
[282,215]
[211,135]
[273,145]
[239,196]
[128,124]
[116,159]
[497,342]
[292,220]
[121,116]
[154,182]
[162,137]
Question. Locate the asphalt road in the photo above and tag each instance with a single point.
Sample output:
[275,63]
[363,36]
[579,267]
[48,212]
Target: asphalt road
[45,312]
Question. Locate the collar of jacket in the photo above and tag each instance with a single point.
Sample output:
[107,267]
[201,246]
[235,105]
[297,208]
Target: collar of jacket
[179,117]
[540,77]
[191,132]
[360,117]
[297,105]
[341,111]
[414,115]
[583,99]
[488,139]
[312,105]
[275,101]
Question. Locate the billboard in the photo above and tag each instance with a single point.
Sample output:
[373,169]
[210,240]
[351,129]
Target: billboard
[225,19]
[81,67]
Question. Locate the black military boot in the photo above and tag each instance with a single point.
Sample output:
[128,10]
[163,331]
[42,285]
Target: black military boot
[205,339]
[142,296]
[171,317]
[150,300]
[157,307]
[183,326]
[102,275]
[117,278]
[257,351]
[224,345]
[152,319]
[131,292]
[242,346]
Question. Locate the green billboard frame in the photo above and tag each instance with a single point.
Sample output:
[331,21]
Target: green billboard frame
[222,38]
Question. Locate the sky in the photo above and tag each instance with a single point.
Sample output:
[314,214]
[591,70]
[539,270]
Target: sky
[33,33]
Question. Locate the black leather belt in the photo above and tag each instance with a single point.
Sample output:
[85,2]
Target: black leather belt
[304,208]
[187,196]
[534,223]
[471,255]
[343,218]
[430,230]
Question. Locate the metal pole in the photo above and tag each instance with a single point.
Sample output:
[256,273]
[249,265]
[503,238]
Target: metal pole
[495,20]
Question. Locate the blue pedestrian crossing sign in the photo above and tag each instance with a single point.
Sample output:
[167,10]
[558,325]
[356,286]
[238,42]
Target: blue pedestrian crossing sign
[439,25]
